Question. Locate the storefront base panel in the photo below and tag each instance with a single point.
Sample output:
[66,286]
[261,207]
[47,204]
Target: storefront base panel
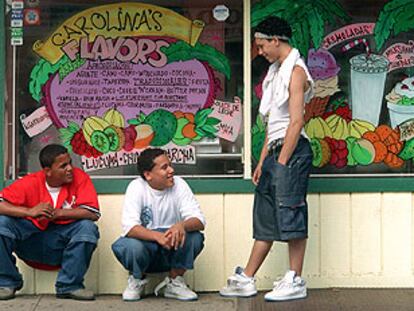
[355,240]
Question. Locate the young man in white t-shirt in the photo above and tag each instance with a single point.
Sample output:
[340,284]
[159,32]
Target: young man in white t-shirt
[161,223]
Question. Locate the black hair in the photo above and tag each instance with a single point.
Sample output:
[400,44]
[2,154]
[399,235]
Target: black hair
[274,26]
[49,153]
[145,162]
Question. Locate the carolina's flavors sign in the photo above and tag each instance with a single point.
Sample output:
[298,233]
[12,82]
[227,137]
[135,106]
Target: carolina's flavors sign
[114,21]
[122,77]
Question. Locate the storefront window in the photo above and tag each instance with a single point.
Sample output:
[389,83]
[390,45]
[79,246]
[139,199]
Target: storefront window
[109,79]
[361,56]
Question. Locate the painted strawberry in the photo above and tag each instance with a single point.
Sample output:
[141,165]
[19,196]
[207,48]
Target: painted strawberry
[130,135]
[344,112]
[338,104]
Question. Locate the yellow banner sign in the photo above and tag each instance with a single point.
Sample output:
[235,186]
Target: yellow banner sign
[119,20]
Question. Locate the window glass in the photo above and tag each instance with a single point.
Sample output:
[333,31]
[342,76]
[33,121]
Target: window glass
[361,57]
[110,79]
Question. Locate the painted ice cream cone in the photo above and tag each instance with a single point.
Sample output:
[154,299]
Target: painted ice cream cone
[316,107]
[324,70]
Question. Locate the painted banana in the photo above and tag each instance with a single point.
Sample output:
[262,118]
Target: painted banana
[338,126]
[317,128]
[357,128]
[114,117]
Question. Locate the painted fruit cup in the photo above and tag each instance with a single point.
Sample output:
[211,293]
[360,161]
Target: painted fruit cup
[145,134]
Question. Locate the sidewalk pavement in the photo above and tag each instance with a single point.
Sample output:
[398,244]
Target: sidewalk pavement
[318,300]
[206,302]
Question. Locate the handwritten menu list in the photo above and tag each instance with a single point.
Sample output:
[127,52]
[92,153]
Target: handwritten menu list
[97,86]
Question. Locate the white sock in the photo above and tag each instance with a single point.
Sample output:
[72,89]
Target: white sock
[244,275]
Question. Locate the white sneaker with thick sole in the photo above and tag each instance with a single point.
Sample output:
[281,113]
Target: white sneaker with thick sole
[176,288]
[288,288]
[239,285]
[134,290]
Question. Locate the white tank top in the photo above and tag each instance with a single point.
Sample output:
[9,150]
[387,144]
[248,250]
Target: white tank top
[279,118]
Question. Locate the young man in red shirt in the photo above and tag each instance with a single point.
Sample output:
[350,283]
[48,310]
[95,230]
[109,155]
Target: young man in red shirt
[47,219]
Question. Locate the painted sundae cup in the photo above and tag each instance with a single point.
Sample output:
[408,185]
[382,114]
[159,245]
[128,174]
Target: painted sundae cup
[400,102]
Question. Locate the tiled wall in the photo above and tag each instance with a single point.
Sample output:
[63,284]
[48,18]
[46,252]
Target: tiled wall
[355,240]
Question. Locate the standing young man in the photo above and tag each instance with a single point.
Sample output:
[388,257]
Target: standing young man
[281,176]
[47,219]
[161,223]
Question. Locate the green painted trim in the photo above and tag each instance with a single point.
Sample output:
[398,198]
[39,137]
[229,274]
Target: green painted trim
[316,185]
[2,97]
[361,184]
[107,186]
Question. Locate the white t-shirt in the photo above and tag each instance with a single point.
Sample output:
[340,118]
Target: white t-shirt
[54,193]
[155,209]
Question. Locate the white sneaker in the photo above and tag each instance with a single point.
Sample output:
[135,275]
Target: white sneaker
[239,285]
[176,289]
[288,288]
[134,289]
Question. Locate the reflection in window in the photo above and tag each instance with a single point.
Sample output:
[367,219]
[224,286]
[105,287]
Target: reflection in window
[109,80]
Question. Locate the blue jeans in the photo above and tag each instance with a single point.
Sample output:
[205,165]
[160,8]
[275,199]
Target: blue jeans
[139,257]
[70,246]
[280,210]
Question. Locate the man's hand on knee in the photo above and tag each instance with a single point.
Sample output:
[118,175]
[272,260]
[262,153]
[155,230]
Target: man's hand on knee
[177,235]
[163,240]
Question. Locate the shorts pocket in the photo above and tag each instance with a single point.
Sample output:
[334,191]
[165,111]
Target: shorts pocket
[286,179]
[293,219]
[292,180]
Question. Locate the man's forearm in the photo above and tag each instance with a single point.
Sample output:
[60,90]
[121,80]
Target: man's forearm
[8,209]
[193,224]
[142,233]
[74,213]
[264,151]
[290,142]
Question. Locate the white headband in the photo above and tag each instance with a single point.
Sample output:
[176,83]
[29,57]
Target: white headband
[260,35]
